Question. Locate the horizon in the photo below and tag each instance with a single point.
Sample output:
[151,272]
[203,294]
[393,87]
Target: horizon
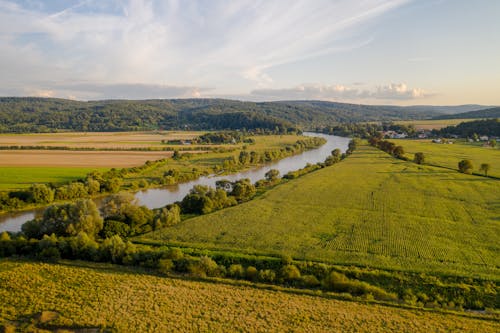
[248,101]
[381,52]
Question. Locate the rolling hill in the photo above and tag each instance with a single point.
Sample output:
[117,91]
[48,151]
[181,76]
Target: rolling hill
[31,114]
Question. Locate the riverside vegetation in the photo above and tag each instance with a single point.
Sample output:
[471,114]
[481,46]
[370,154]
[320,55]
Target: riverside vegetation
[247,150]
[367,246]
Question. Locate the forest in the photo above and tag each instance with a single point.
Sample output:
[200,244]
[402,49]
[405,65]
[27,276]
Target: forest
[30,114]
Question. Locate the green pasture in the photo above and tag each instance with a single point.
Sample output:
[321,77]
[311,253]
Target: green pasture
[23,177]
[448,155]
[371,209]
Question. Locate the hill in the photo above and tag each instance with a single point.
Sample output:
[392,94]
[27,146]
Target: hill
[30,114]
[371,209]
[84,297]
[485,113]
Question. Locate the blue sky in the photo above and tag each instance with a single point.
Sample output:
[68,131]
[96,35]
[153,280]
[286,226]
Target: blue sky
[400,52]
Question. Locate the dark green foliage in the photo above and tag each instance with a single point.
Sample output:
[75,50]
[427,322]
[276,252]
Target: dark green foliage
[489,127]
[24,115]
[485,113]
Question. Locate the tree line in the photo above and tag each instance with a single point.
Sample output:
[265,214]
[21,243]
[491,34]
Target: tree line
[30,114]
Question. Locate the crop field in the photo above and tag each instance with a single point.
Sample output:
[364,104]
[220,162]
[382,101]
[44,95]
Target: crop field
[91,296]
[95,139]
[448,155]
[432,124]
[23,177]
[85,159]
[371,209]
[21,168]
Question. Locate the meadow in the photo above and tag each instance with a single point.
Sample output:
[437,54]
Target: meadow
[432,124]
[448,155]
[23,177]
[371,209]
[79,296]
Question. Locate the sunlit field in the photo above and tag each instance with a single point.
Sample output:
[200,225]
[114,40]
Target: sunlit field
[371,209]
[75,295]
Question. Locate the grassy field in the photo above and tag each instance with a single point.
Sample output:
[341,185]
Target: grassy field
[78,159]
[370,209]
[21,168]
[96,139]
[432,124]
[449,155]
[81,295]
[23,177]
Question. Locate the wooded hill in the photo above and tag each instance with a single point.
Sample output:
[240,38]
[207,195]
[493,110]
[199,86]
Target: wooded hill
[487,113]
[31,114]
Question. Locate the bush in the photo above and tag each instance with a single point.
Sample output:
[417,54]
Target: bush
[465,166]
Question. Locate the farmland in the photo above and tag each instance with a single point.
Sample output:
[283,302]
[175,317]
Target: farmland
[398,215]
[77,154]
[432,124]
[95,139]
[448,155]
[82,295]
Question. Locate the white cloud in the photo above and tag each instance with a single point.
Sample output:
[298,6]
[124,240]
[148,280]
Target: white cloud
[225,44]
[393,91]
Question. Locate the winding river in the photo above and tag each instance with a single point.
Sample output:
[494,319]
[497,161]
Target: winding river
[159,197]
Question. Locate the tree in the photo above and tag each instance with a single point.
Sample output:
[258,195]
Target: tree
[41,193]
[66,220]
[465,166]
[485,167]
[272,175]
[399,152]
[419,158]
[243,190]
[337,155]
[493,143]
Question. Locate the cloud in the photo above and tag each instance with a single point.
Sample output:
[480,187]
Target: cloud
[393,91]
[227,44]
[93,91]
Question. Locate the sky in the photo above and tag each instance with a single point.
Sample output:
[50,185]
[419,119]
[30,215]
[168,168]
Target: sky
[397,52]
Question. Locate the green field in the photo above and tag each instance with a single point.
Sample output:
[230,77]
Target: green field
[24,177]
[79,296]
[371,209]
[448,155]
[433,124]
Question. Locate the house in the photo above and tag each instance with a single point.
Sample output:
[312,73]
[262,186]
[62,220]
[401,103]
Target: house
[483,138]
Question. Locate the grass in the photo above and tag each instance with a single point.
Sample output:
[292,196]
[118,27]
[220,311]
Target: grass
[21,168]
[432,124]
[96,139]
[85,296]
[23,177]
[371,210]
[448,156]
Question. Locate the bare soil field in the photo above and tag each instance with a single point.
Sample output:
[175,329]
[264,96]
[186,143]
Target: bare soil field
[64,158]
[96,139]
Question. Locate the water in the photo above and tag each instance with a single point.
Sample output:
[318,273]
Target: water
[159,197]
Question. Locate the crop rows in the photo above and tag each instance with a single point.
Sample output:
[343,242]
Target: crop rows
[369,208]
[105,296]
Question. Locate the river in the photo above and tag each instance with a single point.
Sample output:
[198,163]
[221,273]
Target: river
[159,197]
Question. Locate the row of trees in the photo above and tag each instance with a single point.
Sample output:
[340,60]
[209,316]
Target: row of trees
[388,146]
